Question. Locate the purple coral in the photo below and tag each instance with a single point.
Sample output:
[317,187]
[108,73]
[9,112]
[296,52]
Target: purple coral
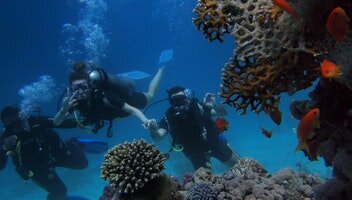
[202,191]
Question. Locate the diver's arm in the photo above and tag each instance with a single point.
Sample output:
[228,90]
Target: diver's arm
[68,103]
[135,111]
[158,131]
[158,134]
[215,109]
[60,118]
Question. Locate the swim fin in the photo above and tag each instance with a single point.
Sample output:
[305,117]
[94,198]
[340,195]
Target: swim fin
[166,56]
[75,197]
[93,146]
[134,75]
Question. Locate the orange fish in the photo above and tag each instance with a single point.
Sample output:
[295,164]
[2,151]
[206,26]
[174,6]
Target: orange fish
[286,7]
[267,133]
[329,70]
[274,113]
[222,124]
[306,127]
[338,24]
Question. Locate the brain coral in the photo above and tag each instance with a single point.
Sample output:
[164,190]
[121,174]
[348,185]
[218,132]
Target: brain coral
[131,165]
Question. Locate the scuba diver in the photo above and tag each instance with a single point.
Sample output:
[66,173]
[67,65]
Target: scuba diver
[193,130]
[36,150]
[98,96]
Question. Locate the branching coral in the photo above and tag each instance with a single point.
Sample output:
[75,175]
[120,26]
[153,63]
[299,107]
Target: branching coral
[259,84]
[211,19]
[131,165]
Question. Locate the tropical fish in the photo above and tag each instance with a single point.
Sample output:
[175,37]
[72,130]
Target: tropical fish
[306,127]
[338,24]
[222,124]
[267,133]
[286,7]
[274,113]
[330,70]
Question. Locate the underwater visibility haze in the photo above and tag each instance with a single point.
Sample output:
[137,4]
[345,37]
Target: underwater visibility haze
[277,76]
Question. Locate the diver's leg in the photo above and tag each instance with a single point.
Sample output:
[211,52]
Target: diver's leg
[225,154]
[199,160]
[153,86]
[50,182]
[74,157]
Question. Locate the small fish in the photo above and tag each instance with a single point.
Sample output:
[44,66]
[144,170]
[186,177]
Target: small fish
[274,113]
[222,124]
[286,7]
[338,24]
[306,127]
[267,133]
[330,70]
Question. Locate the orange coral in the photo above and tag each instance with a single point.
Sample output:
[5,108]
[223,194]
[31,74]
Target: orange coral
[211,20]
[258,84]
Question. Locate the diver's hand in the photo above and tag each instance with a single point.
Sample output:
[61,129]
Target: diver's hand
[69,101]
[209,100]
[150,124]
[153,126]
[10,142]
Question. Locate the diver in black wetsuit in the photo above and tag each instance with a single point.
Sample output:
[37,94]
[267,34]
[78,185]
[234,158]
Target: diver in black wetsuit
[193,130]
[100,97]
[36,149]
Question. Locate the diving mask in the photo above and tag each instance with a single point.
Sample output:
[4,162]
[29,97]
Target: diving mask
[178,100]
[82,90]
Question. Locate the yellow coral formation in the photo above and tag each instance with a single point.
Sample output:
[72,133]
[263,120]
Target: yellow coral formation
[211,20]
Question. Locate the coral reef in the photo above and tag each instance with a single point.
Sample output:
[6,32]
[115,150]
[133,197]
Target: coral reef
[108,193]
[275,52]
[211,19]
[134,171]
[258,86]
[131,165]
[334,138]
[249,180]
[246,180]
[202,191]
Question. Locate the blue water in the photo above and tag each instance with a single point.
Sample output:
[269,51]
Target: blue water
[42,37]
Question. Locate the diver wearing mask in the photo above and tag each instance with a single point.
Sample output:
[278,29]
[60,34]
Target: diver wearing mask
[97,97]
[36,149]
[192,128]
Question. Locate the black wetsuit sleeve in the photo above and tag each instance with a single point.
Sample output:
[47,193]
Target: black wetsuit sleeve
[49,123]
[163,124]
[3,157]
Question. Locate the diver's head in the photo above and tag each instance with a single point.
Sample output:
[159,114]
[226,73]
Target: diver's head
[178,96]
[79,81]
[10,117]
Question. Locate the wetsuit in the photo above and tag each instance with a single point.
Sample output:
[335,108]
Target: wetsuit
[107,99]
[39,150]
[195,130]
